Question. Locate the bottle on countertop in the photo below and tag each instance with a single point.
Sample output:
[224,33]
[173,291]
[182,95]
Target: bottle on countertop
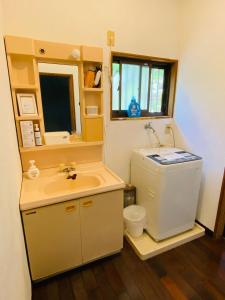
[37,135]
[33,172]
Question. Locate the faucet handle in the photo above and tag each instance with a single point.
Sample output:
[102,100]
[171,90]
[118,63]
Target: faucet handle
[148,125]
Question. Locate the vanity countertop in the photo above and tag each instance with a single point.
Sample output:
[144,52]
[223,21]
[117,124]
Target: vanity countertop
[53,186]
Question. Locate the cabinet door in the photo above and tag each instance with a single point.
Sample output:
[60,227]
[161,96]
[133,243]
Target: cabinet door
[93,130]
[53,238]
[101,224]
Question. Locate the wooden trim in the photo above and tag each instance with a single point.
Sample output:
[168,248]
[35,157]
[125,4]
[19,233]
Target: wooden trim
[220,217]
[92,54]
[19,45]
[38,98]
[110,82]
[140,56]
[140,118]
[173,87]
[93,90]
[76,144]
[72,104]
[53,50]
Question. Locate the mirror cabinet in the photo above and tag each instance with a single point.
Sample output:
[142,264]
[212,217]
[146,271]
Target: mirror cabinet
[27,59]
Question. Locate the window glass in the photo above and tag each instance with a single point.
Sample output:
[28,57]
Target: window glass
[144,87]
[115,85]
[130,84]
[156,90]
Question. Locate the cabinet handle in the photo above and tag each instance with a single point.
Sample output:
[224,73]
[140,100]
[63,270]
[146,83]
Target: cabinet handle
[31,213]
[87,203]
[70,208]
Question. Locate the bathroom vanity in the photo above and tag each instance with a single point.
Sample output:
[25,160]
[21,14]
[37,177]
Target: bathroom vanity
[77,222]
[67,221]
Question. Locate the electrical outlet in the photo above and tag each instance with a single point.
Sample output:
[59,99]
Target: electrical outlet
[110,38]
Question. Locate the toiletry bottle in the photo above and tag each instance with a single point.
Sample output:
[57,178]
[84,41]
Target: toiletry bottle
[98,76]
[33,172]
[89,79]
[134,109]
[37,135]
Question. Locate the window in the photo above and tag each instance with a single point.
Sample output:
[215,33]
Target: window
[148,81]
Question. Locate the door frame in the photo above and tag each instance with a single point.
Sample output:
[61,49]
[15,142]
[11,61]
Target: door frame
[220,217]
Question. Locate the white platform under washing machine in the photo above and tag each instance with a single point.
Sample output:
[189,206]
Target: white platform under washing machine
[168,183]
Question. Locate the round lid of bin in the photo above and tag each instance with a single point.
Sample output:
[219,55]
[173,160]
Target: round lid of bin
[134,213]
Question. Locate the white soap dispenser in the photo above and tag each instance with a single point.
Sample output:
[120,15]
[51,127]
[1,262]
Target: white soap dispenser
[33,172]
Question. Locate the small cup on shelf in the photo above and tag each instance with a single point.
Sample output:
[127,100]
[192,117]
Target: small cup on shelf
[92,110]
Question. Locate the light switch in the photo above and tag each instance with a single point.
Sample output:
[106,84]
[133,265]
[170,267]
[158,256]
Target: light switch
[110,38]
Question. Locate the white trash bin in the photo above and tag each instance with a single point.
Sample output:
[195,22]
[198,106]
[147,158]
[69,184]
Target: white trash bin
[135,219]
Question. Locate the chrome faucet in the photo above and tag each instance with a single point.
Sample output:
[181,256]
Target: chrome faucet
[149,126]
[67,169]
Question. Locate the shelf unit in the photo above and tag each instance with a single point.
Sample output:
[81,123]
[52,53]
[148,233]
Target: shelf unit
[24,86]
[60,146]
[24,79]
[27,118]
[93,124]
[93,90]
[23,55]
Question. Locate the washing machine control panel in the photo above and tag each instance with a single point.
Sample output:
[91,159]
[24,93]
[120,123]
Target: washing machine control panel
[174,158]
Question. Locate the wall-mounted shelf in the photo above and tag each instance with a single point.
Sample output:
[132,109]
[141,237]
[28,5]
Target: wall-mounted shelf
[93,90]
[92,116]
[61,146]
[24,86]
[27,118]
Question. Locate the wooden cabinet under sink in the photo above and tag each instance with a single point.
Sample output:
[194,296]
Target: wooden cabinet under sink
[101,224]
[65,235]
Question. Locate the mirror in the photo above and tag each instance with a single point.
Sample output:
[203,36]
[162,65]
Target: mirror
[60,97]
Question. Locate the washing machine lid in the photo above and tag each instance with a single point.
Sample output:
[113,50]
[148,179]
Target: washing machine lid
[173,157]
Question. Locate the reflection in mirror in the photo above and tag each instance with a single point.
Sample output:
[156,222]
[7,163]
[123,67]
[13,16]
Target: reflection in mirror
[60,97]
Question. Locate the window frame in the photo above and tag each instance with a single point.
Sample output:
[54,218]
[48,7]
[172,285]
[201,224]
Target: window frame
[170,67]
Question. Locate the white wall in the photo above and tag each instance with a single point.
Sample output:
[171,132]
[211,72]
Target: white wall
[14,276]
[200,102]
[147,27]
[192,30]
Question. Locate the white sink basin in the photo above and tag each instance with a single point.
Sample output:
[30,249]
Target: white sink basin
[61,184]
[53,186]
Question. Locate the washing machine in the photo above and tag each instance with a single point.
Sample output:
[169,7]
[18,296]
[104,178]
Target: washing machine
[167,182]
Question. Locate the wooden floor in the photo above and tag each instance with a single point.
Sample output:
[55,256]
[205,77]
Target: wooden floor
[193,271]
